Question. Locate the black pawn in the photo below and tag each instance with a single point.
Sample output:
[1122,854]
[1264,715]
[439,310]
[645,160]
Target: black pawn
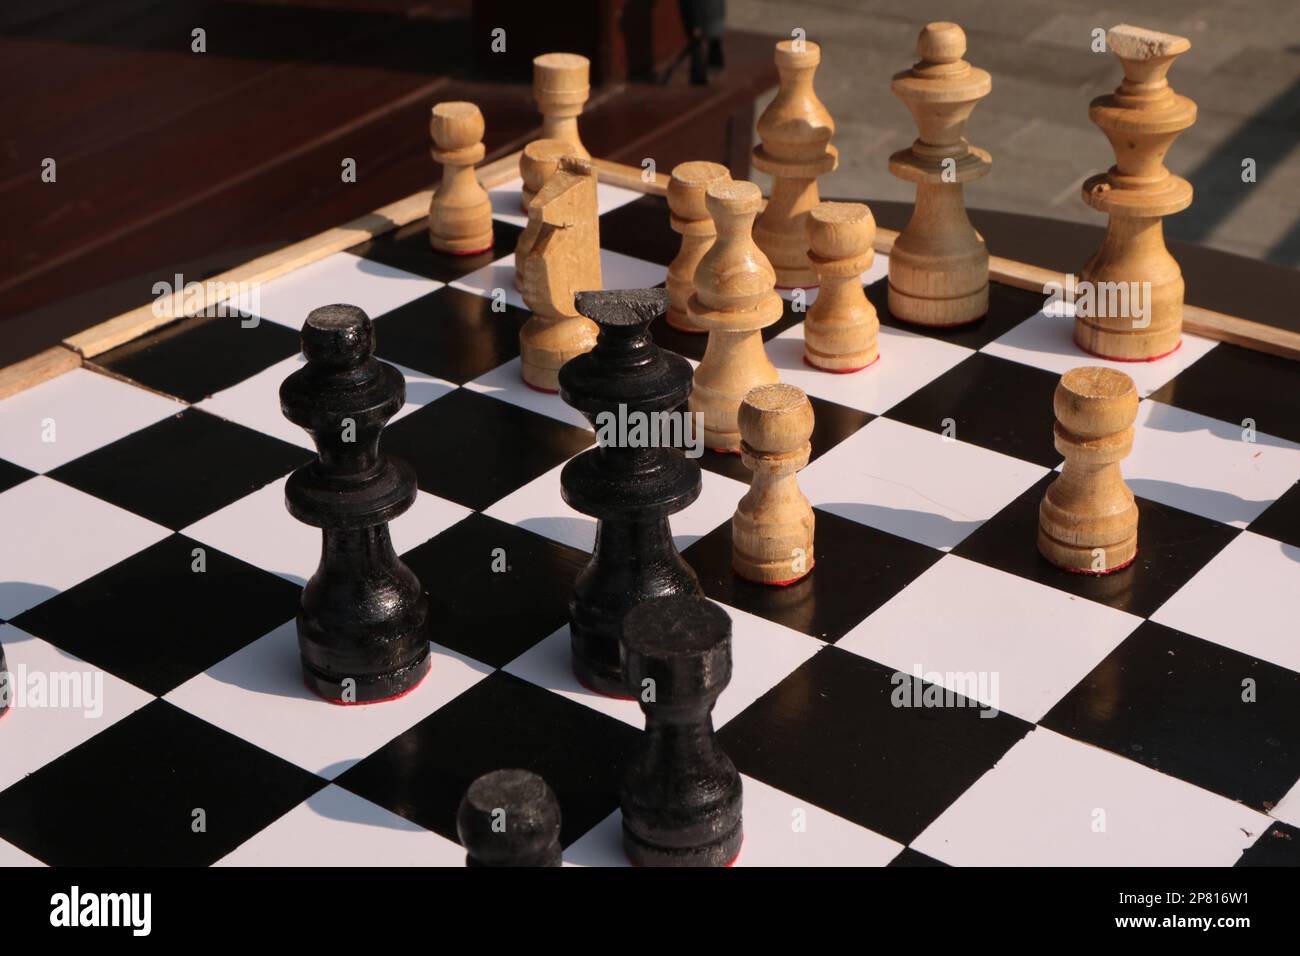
[509,818]
[682,795]
[361,624]
[630,490]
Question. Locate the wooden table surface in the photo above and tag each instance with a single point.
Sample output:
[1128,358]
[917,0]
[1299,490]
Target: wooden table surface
[171,161]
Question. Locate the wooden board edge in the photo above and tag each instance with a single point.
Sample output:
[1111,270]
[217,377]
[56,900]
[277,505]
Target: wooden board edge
[1196,320]
[207,296]
[41,367]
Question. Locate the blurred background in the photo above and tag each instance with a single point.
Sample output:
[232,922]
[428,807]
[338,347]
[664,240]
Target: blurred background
[145,138]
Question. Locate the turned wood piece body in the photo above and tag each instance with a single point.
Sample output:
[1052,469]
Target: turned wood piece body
[1088,519]
[362,620]
[690,219]
[1141,119]
[772,529]
[841,330]
[564,259]
[538,162]
[682,796]
[939,266]
[561,85]
[794,133]
[460,212]
[509,818]
[629,485]
[735,299]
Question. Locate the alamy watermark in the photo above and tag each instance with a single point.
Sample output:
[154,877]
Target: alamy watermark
[1100,300]
[923,688]
[626,428]
[53,690]
[178,298]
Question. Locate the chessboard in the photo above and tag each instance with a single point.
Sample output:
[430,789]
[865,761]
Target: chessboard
[932,693]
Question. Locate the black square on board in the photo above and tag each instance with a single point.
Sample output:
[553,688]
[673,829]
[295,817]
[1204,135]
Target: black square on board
[502,721]
[1279,845]
[197,357]
[856,570]
[182,468]
[450,333]
[12,475]
[1281,519]
[474,450]
[1008,307]
[830,734]
[495,590]
[156,622]
[128,795]
[1180,705]
[1173,545]
[832,423]
[641,229]
[408,249]
[991,402]
[1233,384]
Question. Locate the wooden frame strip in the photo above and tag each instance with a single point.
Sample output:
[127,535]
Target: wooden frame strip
[1198,321]
[146,318]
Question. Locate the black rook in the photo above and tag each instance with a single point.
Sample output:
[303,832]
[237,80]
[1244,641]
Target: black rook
[361,624]
[682,795]
[630,487]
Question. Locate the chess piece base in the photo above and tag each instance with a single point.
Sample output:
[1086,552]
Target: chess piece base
[721,853]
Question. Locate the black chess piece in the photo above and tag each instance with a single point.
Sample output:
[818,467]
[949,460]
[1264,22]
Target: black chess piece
[682,795]
[361,624]
[630,488]
[509,818]
[6,683]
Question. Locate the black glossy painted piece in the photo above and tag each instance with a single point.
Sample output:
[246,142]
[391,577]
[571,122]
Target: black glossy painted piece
[6,683]
[509,818]
[361,624]
[630,490]
[682,795]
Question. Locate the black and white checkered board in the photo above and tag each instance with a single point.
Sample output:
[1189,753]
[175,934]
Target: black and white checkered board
[1149,717]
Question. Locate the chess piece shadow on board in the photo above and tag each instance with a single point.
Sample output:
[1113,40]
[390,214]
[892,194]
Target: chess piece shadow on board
[509,818]
[681,798]
[630,486]
[363,615]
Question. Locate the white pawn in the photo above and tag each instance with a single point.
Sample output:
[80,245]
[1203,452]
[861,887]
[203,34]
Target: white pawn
[772,530]
[460,213]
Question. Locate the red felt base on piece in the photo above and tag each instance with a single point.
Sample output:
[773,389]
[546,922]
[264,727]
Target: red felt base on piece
[597,690]
[365,703]
[544,391]
[1110,358]
[725,451]
[775,584]
[470,252]
[1097,574]
[840,371]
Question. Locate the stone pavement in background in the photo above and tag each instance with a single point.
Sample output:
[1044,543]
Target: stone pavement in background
[1243,71]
